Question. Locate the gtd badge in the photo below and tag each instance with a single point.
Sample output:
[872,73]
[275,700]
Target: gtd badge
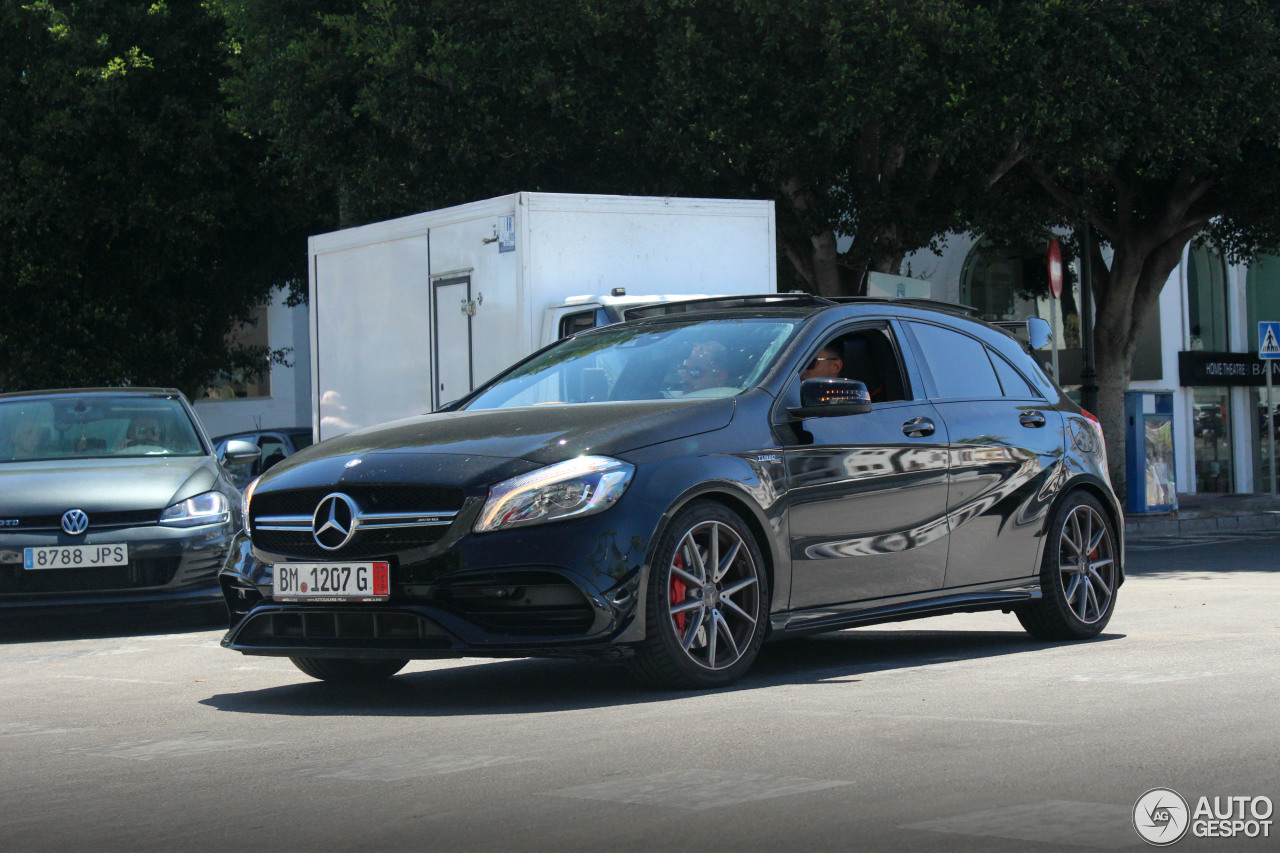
[74,522]
[1161,816]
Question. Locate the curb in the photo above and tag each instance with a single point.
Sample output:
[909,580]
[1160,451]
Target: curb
[1169,525]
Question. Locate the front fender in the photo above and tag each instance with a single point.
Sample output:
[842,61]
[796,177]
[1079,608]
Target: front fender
[750,484]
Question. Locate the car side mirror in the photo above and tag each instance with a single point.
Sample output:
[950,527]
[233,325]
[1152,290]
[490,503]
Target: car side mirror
[828,398]
[238,451]
[1039,332]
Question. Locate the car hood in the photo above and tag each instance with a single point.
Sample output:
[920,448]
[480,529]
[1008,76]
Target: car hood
[52,487]
[541,435]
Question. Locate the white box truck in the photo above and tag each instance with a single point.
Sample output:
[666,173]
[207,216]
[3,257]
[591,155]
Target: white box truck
[410,314]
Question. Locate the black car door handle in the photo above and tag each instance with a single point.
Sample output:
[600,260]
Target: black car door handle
[918,427]
[1031,419]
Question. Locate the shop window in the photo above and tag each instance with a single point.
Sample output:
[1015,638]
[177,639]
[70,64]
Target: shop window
[1003,284]
[1212,407]
[1207,300]
[1261,447]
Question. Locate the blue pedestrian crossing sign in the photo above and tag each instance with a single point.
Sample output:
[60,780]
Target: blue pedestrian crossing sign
[1268,339]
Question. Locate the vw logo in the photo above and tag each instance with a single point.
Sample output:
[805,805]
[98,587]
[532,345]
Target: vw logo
[74,522]
[334,523]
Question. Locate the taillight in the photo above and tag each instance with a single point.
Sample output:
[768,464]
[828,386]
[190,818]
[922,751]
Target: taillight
[1093,421]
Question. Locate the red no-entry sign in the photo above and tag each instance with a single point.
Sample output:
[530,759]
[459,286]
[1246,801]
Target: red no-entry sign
[1055,269]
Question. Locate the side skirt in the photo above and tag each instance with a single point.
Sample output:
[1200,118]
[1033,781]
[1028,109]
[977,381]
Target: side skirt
[1006,595]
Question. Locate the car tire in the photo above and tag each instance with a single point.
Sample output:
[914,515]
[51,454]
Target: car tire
[1079,575]
[349,670]
[706,602]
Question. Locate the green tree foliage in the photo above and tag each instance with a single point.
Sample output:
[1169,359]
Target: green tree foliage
[869,118]
[1164,126]
[136,228]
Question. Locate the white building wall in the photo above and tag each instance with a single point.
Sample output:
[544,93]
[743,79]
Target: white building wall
[1242,417]
[290,402]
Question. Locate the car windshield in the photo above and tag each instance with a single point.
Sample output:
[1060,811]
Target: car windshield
[654,361]
[95,427]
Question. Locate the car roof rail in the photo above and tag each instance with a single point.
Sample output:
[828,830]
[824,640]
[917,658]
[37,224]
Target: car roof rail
[914,301]
[714,303]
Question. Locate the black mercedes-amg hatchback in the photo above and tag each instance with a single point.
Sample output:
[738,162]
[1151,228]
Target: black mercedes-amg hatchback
[676,489]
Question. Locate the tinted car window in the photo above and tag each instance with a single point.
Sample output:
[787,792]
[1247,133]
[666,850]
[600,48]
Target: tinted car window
[1010,379]
[571,324]
[95,427]
[687,359]
[958,363]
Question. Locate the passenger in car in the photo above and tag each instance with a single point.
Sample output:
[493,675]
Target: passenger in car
[30,438]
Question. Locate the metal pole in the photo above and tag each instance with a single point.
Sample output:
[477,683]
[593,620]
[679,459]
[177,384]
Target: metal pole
[1088,375]
[1053,325]
[1271,429]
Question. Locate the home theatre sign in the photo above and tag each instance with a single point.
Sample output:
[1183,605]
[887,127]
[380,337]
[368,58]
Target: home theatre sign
[1196,368]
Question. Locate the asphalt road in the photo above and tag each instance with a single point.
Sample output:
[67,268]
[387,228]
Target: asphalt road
[947,734]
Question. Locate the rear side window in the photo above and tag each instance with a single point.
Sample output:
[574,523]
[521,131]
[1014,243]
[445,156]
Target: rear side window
[958,363]
[571,324]
[1013,382]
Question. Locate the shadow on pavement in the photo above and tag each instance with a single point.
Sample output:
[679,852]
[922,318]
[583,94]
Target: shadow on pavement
[531,686]
[126,622]
[1190,557]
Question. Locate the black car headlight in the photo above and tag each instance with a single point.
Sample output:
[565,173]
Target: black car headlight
[245,497]
[578,487]
[207,508]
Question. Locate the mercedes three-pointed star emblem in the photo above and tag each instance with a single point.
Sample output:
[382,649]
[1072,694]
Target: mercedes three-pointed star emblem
[334,522]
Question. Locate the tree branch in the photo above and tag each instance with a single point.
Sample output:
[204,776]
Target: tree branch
[1054,189]
[1012,157]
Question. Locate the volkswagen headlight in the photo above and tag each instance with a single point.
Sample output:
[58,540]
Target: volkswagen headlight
[578,487]
[208,508]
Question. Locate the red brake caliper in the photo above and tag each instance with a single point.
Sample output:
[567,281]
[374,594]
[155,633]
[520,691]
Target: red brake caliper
[678,590]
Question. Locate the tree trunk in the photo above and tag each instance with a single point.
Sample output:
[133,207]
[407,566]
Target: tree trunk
[1125,295]
[1114,370]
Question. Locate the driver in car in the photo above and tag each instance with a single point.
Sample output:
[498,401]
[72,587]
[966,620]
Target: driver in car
[143,430]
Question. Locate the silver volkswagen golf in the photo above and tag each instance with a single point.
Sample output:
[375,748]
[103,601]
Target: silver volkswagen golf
[111,497]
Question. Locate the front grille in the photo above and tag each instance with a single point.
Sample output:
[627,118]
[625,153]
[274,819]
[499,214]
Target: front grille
[97,521]
[370,498]
[346,629]
[139,573]
[392,518]
[526,604]
[365,545]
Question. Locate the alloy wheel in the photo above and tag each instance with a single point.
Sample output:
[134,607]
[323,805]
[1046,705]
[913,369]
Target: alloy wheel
[714,595]
[1086,564]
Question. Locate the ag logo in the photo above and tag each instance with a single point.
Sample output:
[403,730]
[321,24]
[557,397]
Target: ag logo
[1161,816]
